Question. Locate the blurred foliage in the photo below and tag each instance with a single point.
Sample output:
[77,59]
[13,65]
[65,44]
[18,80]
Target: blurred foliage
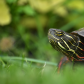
[22,73]
[5,16]
[25,23]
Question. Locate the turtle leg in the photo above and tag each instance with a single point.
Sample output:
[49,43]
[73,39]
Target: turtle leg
[62,62]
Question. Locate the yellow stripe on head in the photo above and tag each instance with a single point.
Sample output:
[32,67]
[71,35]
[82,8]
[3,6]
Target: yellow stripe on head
[61,46]
[69,47]
[70,37]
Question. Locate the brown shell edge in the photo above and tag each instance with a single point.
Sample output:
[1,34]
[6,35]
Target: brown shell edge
[79,32]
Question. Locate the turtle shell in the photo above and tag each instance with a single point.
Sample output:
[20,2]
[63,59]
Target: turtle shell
[79,32]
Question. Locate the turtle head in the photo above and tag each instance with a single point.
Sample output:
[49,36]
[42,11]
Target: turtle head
[63,41]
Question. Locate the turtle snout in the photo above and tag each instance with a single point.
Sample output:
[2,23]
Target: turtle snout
[52,31]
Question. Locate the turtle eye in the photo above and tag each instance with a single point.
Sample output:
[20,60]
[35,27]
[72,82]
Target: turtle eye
[59,33]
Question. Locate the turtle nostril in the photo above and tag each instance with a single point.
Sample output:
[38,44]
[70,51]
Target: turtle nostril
[51,31]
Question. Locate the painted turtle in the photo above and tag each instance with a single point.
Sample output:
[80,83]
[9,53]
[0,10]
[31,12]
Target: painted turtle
[70,44]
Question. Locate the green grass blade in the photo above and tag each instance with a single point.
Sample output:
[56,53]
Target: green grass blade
[28,59]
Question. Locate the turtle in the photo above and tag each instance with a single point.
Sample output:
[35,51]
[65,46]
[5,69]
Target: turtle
[70,44]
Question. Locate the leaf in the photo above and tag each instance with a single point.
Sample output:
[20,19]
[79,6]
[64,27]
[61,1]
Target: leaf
[28,10]
[5,16]
[11,1]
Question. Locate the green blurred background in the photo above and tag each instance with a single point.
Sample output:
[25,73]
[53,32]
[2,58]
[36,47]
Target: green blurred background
[24,25]
[24,44]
